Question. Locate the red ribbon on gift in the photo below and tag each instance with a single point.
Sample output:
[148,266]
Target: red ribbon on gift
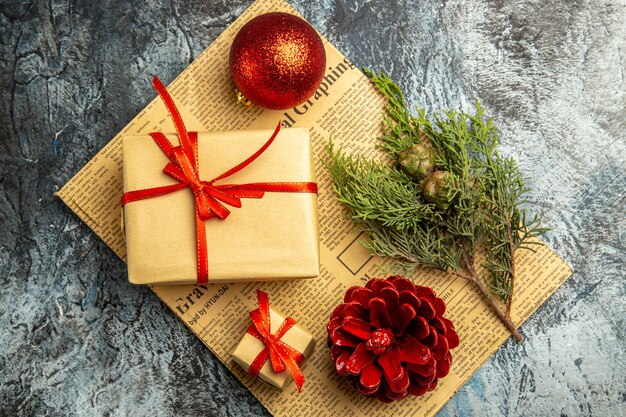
[281,355]
[209,197]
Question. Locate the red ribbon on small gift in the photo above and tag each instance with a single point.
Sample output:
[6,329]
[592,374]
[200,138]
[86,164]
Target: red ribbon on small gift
[209,197]
[281,355]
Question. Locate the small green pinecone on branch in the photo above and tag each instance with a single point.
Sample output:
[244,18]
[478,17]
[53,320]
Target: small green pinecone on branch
[417,161]
[436,189]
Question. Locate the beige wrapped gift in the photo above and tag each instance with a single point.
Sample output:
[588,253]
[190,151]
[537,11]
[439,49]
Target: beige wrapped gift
[250,346]
[272,238]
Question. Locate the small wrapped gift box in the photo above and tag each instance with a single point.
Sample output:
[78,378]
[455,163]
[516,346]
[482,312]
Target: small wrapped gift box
[274,346]
[273,235]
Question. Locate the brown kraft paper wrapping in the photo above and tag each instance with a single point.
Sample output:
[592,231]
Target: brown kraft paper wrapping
[272,238]
[249,347]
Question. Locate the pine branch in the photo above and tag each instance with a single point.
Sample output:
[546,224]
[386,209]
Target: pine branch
[445,195]
[482,288]
[422,245]
[375,192]
[512,248]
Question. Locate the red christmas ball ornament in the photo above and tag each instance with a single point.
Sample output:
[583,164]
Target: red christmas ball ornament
[277,60]
[390,338]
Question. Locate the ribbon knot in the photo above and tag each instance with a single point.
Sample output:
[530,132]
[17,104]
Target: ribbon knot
[281,356]
[184,168]
[197,187]
[209,198]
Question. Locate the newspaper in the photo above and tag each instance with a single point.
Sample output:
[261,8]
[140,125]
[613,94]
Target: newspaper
[347,108]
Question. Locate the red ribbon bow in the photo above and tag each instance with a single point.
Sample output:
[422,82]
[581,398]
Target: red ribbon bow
[281,355]
[209,198]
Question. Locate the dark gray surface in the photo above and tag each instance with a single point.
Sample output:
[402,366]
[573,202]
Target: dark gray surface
[77,339]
